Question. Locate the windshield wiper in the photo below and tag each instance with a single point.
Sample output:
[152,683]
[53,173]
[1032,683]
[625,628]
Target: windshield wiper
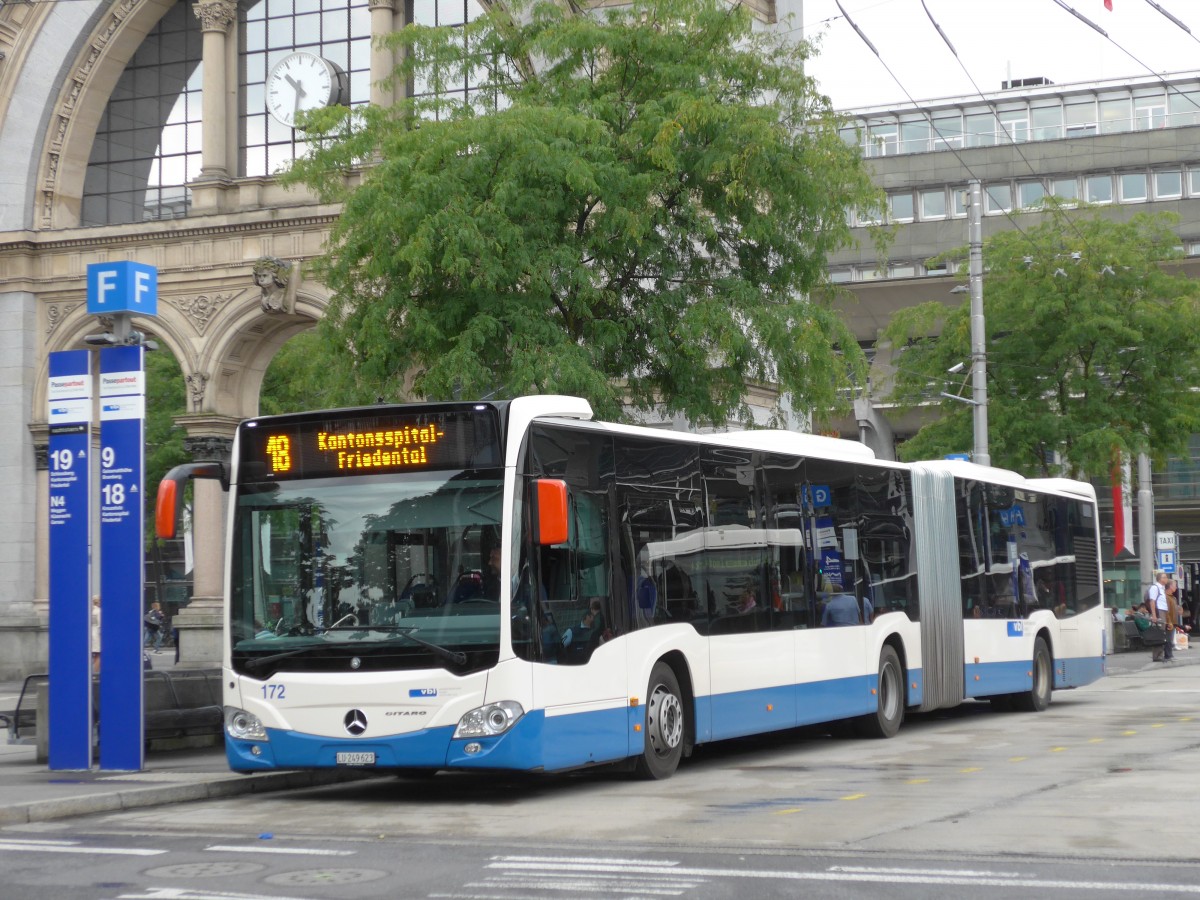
[261,661]
[402,631]
[406,631]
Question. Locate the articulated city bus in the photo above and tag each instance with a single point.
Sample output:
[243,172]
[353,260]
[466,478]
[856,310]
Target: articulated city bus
[511,585]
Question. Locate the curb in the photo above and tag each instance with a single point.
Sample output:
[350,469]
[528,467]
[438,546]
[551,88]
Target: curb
[142,797]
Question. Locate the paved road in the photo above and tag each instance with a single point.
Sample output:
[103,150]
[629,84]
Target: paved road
[1071,802]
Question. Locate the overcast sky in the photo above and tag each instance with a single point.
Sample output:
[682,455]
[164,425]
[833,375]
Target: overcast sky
[1030,38]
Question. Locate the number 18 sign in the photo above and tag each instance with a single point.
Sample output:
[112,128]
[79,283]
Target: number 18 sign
[122,414]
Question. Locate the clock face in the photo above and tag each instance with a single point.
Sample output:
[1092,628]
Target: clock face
[300,81]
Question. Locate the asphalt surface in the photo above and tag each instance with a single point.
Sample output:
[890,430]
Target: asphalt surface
[31,792]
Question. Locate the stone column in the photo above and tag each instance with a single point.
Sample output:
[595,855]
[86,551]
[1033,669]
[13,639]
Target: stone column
[216,16]
[210,437]
[22,633]
[383,14]
[41,565]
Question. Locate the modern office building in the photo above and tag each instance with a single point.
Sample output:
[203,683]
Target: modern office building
[1126,146]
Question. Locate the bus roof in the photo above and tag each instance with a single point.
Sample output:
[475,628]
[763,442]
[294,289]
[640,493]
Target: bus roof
[767,440]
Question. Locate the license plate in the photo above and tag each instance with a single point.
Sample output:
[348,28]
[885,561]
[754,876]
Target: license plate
[355,759]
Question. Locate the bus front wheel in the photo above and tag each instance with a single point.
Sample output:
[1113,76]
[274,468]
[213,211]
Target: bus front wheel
[1037,698]
[664,725]
[889,696]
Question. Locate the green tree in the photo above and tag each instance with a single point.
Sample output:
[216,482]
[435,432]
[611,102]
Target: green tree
[310,372]
[166,398]
[641,216]
[1090,347]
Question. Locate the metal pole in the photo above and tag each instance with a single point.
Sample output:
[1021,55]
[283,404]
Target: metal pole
[1146,539]
[978,335]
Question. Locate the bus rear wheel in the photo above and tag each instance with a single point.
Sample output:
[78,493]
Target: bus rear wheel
[1037,698]
[665,725]
[889,696]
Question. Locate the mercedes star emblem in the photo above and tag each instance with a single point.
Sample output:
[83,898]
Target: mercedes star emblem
[355,722]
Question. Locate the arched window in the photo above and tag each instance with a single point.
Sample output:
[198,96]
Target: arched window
[147,145]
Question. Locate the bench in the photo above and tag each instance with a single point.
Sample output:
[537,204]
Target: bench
[182,710]
[1154,636]
[181,706]
[24,714]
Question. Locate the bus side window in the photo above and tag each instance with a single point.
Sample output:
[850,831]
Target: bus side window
[577,575]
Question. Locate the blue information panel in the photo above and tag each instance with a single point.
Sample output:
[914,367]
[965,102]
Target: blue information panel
[70,699]
[122,417]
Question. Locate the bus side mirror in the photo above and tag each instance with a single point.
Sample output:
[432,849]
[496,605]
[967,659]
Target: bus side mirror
[169,502]
[550,512]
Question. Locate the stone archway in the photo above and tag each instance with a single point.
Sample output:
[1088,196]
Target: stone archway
[223,330]
[244,331]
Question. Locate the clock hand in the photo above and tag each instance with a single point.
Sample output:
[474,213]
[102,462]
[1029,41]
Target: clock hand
[295,84]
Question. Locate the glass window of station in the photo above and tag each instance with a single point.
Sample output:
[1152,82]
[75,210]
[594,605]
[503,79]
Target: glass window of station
[147,149]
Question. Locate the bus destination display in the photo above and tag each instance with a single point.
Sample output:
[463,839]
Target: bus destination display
[326,446]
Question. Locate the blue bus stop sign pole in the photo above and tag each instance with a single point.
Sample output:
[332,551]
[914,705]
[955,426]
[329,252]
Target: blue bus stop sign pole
[70,697]
[122,418]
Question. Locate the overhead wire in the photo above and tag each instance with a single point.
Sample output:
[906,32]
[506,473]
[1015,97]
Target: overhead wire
[1015,144]
[928,117]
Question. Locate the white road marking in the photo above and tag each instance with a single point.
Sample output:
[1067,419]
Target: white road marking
[590,860]
[75,847]
[293,851]
[964,873]
[163,893]
[586,886]
[896,876]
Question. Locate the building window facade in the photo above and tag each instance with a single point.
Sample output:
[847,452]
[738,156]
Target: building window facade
[1053,114]
[148,142]
[148,147]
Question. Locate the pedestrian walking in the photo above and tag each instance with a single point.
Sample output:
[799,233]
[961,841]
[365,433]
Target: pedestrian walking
[95,636]
[155,623]
[1156,604]
[1171,620]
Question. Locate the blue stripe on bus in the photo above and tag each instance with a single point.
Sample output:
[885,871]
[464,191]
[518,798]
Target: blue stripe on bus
[986,679]
[742,713]
[535,742]
[553,743]
[293,750]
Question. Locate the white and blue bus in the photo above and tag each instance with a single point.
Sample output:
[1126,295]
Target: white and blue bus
[511,585]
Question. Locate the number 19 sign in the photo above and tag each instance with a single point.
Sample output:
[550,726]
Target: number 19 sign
[70,414]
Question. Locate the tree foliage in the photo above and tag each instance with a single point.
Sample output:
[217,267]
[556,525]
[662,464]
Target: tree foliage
[635,209]
[1089,347]
[166,398]
[310,372]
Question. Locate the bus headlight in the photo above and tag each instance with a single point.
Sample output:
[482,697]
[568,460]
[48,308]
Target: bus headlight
[244,726]
[490,720]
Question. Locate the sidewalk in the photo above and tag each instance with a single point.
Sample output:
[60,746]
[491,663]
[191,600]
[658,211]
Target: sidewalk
[29,792]
[1134,661]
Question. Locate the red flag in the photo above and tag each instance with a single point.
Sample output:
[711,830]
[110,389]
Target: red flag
[1108,5]
[1122,507]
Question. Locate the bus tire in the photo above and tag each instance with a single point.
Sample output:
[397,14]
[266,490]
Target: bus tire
[665,725]
[1037,698]
[889,696]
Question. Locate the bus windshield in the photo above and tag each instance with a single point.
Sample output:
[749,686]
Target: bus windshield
[373,572]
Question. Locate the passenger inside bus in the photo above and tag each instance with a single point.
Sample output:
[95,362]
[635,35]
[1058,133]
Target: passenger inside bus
[744,603]
[843,608]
